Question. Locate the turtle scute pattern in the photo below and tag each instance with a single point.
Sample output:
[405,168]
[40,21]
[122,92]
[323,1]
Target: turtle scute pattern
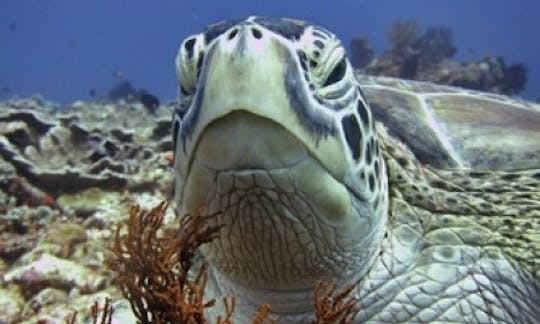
[449,127]
[482,226]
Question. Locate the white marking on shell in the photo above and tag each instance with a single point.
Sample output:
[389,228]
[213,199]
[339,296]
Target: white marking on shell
[439,131]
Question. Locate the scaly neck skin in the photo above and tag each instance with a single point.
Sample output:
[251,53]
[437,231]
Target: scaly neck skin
[273,239]
[444,268]
[397,254]
[241,268]
[446,257]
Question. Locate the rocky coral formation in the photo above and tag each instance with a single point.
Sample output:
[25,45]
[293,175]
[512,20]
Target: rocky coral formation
[402,34]
[51,271]
[429,57]
[89,145]
[361,52]
[436,44]
[124,90]
[67,177]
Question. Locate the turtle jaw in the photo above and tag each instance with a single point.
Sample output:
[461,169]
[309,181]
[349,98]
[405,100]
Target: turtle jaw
[228,145]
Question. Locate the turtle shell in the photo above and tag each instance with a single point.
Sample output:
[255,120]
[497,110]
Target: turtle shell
[449,127]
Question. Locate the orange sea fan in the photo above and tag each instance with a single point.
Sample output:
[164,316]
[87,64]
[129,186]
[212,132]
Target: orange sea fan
[153,274]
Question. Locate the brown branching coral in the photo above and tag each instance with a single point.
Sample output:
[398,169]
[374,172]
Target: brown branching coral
[106,314]
[334,308]
[230,303]
[72,319]
[263,315]
[153,274]
[153,271]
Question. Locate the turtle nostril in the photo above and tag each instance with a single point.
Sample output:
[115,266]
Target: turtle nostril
[232,34]
[256,33]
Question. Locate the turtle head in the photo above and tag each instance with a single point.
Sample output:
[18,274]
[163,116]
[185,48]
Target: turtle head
[274,139]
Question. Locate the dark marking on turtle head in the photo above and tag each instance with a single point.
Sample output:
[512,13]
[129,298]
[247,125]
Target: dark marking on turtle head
[200,64]
[337,73]
[189,46]
[288,28]
[213,31]
[371,181]
[176,129]
[191,114]
[321,33]
[369,152]
[319,44]
[353,135]
[298,97]
[362,112]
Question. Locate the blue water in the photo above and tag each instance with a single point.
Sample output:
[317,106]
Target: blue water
[63,48]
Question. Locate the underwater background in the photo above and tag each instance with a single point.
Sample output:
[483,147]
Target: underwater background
[76,50]
[87,90]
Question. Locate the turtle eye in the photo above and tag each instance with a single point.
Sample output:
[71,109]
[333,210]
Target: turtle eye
[189,62]
[337,73]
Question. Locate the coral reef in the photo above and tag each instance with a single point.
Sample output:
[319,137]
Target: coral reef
[103,317]
[487,74]
[515,78]
[402,34]
[88,145]
[124,90]
[436,44]
[361,52]
[51,271]
[10,305]
[66,177]
[21,228]
[428,57]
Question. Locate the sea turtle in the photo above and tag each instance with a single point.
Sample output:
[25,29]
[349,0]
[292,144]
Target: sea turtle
[432,209]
